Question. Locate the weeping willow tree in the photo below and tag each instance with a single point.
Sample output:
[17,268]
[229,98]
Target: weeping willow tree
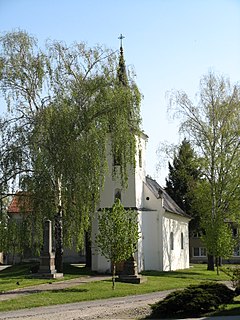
[64,106]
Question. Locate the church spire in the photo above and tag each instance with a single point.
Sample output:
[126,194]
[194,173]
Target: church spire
[121,72]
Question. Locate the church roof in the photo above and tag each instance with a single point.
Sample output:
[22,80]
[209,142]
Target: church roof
[20,203]
[168,203]
[121,72]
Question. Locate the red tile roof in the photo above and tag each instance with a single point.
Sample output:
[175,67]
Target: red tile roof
[20,203]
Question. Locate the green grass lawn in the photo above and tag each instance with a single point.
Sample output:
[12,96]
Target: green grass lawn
[156,281]
[22,274]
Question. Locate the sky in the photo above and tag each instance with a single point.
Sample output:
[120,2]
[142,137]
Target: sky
[170,44]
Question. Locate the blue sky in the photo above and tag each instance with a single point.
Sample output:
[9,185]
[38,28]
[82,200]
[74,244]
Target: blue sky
[170,44]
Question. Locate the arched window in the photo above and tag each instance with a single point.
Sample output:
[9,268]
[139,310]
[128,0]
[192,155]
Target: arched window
[140,158]
[117,194]
[171,241]
[181,240]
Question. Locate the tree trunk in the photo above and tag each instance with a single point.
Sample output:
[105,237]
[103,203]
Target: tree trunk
[219,261]
[59,230]
[88,250]
[210,262]
[217,265]
[58,242]
[113,275]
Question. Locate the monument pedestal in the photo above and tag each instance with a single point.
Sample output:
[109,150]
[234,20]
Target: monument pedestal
[47,257]
[47,266]
[131,279]
[130,274]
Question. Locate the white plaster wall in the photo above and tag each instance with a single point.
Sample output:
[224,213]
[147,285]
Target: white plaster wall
[151,228]
[140,171]
[132,195]
[99,262]
[107,196]
[153,203]
[139,255]
[177,258]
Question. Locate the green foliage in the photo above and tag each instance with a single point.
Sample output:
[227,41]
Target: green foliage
[195,300]
[234,274]
[65,105]
[218,238]
[182,179]
[213,128]
[117,234]
[18,236]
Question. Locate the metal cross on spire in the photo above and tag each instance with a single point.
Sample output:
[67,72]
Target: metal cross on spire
[121,37]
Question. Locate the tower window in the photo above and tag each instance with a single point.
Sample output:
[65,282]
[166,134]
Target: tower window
[118,194]
[235,232]
[140,158]
[116,159]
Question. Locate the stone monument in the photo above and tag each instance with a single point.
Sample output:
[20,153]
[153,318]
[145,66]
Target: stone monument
[129,273]
[47,257]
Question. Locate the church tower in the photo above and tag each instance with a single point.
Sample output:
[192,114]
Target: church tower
[131,196]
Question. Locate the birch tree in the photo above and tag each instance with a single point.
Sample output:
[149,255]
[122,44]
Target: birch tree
[64,104]
[213,127]
[117,234]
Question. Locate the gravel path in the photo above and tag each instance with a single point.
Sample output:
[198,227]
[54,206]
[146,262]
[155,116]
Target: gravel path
[130,307]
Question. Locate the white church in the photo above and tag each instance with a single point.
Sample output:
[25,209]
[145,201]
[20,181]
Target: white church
[163,227]
[163,243]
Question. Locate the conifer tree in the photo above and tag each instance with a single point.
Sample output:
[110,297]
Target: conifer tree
[184,173]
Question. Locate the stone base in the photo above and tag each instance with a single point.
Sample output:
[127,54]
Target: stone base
[131,279]
[47,265]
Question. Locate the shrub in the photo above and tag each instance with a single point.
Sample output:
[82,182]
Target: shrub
[192,301]
[234,274]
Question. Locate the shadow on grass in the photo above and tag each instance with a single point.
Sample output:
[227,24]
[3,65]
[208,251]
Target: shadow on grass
[77,269]
[22,292]
[68,290]
[223,313]
[170,273]
[28,291]
[17,270]
[24,270]
[233,311]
